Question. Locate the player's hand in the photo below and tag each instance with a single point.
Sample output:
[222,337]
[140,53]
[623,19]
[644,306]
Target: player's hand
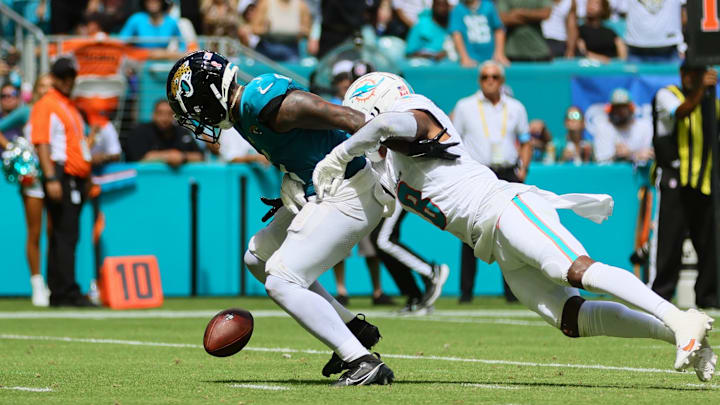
[274,203]
[329,173]
[292,194]
[54,190]
[710,78]
[432,148]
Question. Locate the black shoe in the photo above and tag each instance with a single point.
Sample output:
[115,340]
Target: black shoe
[84,302]
[383,299]
[366,370]
[368,335]
[465,299]
[344,300]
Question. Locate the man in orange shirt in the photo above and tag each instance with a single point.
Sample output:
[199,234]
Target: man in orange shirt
[58,132]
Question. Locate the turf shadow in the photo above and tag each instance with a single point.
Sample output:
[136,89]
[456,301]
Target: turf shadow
[551,384]
[292,382]
[444,382]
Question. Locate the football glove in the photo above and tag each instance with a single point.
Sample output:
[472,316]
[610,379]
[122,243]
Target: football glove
[274,203]
[292,194]
[432,148]
[329,173]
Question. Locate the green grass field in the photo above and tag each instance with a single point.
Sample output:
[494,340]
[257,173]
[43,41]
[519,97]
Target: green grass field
[487,352]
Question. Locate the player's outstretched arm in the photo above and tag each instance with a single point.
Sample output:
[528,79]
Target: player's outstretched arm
[300,109]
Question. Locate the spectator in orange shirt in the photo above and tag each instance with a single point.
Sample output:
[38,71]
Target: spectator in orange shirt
[58,132]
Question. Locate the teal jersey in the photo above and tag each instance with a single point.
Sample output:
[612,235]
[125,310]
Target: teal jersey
[296,151]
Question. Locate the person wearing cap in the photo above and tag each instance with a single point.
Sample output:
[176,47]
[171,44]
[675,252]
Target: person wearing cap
[577,147]
[495,129]
[683,183]
[619,136]
[57,130]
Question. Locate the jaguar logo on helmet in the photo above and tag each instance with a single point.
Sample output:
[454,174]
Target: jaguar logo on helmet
[181,83]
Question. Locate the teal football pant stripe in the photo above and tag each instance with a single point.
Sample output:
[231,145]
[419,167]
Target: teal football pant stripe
[530,215]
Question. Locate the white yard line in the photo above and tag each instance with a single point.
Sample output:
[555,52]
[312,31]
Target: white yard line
[151,314]
[709,386]
[29,389]
[310,351]
[492,386]
[261,387]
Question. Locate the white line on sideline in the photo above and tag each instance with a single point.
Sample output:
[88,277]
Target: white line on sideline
[30,389]
[162,313]
[261,387]
[310,351]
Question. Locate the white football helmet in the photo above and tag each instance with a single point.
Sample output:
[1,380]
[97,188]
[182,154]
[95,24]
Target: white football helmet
[375,93]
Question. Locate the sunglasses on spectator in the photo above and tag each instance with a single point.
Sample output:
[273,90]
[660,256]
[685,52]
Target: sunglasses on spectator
[8,95]
[494,77]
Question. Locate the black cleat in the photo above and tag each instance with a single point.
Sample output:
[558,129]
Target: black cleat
[366,370]
[367,333]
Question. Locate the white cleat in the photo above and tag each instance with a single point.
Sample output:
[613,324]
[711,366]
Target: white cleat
[689,335]
[434,289]
[705,362]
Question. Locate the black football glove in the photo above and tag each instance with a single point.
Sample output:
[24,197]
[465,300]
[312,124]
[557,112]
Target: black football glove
[274,203]
[432,148]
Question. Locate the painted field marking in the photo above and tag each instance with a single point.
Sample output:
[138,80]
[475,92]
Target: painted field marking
[172,314]
[710,386]
[29,389]
[261,387]
[325,352]
[491,386]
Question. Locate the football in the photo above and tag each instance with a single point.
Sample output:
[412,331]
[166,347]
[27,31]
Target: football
[228,332]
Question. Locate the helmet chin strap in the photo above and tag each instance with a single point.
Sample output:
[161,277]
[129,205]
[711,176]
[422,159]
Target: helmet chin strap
[227,123]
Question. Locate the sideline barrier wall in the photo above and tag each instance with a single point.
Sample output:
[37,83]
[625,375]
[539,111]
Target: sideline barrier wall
[153,217]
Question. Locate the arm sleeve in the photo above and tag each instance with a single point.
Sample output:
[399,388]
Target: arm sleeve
[128,30]
[494,17]
[458,120]
[456,21]
[395,125]
[666,103]
[502,6]
[604,144]
[523,127]
[17,118]
[413,40]
[40,124]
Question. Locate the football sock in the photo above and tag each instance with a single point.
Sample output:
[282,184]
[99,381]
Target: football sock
[316,315]
[624,285]
[344,313]
[605,318]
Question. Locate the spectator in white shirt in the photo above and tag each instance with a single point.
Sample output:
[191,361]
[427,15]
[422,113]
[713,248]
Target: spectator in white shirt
[619,135]
[235,149]
[561,29]
[494,128]
[654,30]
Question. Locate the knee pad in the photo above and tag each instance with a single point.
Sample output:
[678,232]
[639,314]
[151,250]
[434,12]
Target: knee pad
[255,265]
[569,321]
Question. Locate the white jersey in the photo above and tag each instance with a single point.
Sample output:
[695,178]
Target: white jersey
[462,196]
